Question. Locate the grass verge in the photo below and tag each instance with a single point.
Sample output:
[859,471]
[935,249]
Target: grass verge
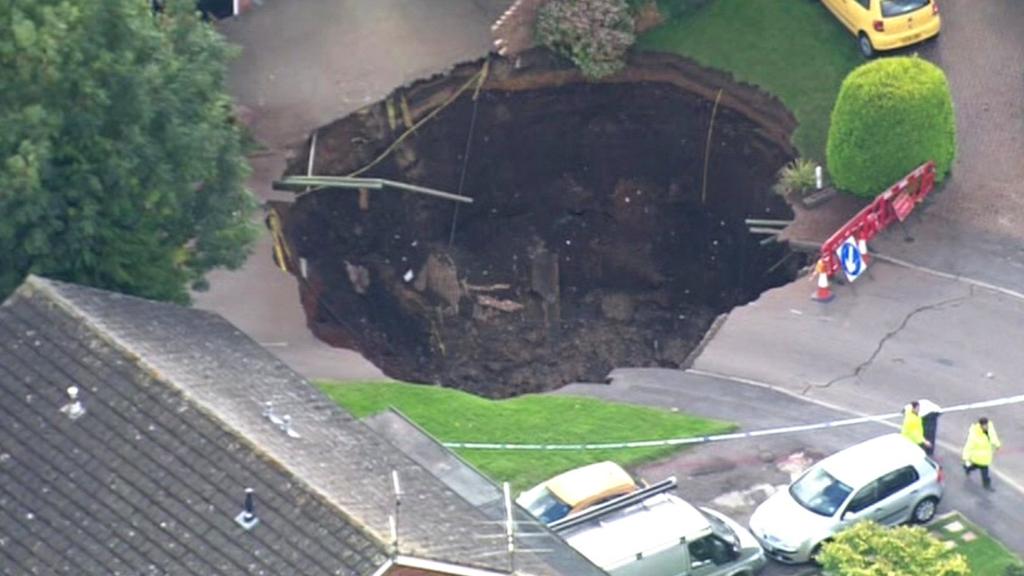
[454,416]
[984,554]
[794,49]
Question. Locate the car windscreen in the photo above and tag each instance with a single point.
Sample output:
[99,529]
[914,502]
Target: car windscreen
[891,8]
[546,507]
[820,492]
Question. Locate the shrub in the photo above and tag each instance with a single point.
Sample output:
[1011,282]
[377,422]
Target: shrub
[891,116]
[797,176]
[594,34]
[867,549]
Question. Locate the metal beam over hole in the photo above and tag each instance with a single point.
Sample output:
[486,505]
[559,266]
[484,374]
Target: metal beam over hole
[300,183]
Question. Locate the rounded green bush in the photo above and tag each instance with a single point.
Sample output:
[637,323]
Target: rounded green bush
[891,116]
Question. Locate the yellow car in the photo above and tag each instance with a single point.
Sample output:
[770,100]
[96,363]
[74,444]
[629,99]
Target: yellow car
[887,24]
[572,491]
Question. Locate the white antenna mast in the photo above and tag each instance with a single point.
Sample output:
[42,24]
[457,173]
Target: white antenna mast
[398,504]
[510,529]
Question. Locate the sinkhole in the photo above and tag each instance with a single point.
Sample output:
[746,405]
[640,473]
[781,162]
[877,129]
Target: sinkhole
[607,226]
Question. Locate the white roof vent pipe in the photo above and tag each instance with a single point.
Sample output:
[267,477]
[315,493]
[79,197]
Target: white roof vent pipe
[247,517]
[74,408]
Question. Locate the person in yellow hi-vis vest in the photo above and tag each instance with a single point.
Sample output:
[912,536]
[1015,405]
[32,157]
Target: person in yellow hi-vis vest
[982,443]
[913,426]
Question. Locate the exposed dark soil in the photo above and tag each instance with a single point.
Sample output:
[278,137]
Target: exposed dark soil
[588,244]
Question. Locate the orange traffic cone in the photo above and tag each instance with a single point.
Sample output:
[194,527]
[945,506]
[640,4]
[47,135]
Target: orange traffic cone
[862,247]
[823,293]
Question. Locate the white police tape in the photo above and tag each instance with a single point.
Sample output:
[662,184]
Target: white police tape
[879,418]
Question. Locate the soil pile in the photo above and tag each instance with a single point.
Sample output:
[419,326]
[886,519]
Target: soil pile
[592,241]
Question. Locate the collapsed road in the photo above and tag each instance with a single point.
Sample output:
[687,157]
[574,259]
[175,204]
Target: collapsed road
[606,226]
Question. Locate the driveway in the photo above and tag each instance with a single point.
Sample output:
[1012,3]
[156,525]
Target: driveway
[975,225]
[304,64]
[734,476]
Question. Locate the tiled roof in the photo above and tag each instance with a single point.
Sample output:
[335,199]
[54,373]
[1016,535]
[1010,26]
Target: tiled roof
[146,481]
[479,490]
[149,479]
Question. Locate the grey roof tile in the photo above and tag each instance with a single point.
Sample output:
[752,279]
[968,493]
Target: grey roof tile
[145,482]
[150,478]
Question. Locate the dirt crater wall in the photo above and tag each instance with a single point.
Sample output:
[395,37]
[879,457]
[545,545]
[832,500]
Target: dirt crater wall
[592,242]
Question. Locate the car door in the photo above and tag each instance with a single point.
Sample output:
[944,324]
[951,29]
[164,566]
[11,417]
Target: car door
[859,15]
[710,556]
[836,8]
[844,11]
[887,500]
[864,505]
[897,494]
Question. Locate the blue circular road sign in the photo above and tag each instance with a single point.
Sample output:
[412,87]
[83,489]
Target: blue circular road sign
[850,259]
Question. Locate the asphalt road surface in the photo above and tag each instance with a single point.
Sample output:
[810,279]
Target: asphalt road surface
[734,476]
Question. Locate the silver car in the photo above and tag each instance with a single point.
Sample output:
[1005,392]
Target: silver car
[887,479]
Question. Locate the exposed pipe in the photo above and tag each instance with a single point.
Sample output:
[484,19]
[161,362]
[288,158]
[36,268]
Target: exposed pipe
[773,231]
[764,222]
[292,182]
[707,150]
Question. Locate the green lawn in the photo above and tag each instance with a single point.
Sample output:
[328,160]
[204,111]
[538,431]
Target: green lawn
[794,49]
[454,416]
[984,554]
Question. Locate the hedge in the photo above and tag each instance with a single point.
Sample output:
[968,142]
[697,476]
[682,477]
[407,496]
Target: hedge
[891,116]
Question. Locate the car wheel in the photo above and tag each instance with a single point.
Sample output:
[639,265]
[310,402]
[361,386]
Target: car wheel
[865,45]
[925,510]
[815,552]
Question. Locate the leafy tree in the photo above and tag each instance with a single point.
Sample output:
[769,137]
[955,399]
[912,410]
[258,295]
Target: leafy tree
[120,165]
[868,549]
[891,116]
[594,34]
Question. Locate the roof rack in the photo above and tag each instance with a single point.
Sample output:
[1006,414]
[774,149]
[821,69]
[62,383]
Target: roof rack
[613,505]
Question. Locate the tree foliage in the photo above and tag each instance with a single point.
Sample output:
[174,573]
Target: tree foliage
[891,116]
[594,34]
[868,549]
[120,165]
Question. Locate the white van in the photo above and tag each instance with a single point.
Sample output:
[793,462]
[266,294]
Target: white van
[663,535]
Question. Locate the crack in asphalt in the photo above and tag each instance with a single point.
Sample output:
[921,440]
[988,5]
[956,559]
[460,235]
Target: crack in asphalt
[892,333]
